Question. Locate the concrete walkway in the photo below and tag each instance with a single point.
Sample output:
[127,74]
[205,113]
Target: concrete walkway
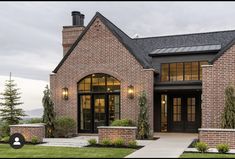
[170,145]
[79,141]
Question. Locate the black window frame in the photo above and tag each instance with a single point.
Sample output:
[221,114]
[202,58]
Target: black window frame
[169,77]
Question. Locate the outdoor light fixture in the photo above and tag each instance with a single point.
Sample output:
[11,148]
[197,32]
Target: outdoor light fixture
[130,91]
[65,93]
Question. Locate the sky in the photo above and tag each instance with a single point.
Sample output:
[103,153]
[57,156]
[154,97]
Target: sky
[30,32]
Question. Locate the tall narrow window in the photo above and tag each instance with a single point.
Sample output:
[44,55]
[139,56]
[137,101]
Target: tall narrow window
[179,71]
[191,105]
[187,70]
[177,109]
[164,72]
[194,71]
[163,113]
[173,72]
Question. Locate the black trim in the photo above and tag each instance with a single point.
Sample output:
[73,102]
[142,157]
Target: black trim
[199,71]
[92,94]
[183,53]
[184,126]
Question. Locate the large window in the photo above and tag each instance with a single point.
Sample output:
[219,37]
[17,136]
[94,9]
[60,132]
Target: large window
[99,83]
[182,71]
[99,101]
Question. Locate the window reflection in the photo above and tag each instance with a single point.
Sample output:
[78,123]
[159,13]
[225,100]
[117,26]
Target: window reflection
[182,71]
[164,72]
[99,83]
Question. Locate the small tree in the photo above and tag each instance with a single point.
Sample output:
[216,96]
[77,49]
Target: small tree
[228,116]
[143,122]
[11,99]
[48,113]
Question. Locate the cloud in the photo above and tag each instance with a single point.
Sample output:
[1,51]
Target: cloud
[30,38]
[32,91]
[31,31]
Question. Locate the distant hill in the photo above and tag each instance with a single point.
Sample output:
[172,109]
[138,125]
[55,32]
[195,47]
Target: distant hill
[34,113]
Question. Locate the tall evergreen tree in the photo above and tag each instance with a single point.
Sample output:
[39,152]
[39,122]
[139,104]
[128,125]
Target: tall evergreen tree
[228,116]
[48,113]
[9,111]
[143,121]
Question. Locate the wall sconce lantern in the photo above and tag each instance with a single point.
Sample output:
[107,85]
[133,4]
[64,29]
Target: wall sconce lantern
[130,91]
[65,93]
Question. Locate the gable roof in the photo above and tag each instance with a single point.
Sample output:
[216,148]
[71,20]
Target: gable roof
[150,44]
[128,43]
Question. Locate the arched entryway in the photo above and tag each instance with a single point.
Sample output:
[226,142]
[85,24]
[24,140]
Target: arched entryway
[98,101]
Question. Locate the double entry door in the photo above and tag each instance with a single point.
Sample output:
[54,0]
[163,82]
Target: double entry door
[185,113]
[97,110]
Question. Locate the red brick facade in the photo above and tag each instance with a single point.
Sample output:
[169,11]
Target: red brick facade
[216,78]
[112,133]
[69,35]
[29,131]
[99,51]
[213,137]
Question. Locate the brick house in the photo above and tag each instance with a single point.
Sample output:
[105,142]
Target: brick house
[103,71]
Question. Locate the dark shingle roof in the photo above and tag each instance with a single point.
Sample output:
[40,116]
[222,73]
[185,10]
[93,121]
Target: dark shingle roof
[222,38]
[140,48]
[130,44]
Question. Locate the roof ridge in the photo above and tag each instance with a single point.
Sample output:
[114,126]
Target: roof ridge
[113,24]
[112,27]
[187,34]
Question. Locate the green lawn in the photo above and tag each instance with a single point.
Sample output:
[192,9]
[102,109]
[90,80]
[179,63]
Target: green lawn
[206,155]
[30,151]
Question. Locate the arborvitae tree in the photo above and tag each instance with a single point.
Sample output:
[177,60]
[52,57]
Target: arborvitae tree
[48,114]
[143,121]
[9,112]
[228,116]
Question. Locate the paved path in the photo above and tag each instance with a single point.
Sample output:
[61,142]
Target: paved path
[170,145]
[79,141]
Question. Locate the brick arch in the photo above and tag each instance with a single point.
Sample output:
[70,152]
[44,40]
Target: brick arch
[111,73]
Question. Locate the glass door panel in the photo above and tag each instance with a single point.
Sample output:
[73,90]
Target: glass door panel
[114,108]
[191,104]
[85,112]
[163,113]
[99,111]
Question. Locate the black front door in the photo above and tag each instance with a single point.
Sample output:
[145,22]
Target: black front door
[97,110]
[184,113]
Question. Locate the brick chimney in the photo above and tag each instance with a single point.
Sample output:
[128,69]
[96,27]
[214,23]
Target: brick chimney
[71,33]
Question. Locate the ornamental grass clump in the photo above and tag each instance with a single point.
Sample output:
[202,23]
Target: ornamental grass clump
[106,142]
[201,147]
[223,148]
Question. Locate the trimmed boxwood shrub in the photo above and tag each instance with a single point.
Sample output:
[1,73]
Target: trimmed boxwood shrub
[92,142]
[65,127]
[122,122]
[201,147]
[223,148]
